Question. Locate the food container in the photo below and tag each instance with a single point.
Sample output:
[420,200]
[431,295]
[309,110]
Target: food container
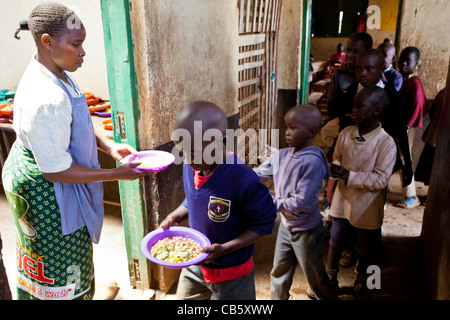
[159,234]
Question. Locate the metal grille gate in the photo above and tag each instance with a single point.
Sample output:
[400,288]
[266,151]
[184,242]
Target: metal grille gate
[258,26]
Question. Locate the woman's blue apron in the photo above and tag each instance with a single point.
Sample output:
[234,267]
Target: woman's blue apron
[55,222]
[81,204]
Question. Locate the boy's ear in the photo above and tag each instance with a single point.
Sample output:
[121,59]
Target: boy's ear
[378,110]
[313,131]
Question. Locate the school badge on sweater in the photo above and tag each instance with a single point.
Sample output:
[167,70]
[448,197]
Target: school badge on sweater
[218,209]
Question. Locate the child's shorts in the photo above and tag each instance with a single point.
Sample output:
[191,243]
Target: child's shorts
[367,241]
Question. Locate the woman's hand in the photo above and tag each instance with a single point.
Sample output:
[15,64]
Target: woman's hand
[127,171]
[118,151]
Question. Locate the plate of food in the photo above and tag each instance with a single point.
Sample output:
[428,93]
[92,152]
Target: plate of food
[152,160]
[98,107]
[175,247]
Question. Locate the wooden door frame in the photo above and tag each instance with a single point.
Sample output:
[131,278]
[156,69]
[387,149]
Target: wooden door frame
[123,90]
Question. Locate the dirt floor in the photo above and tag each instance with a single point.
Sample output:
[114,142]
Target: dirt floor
[400,261]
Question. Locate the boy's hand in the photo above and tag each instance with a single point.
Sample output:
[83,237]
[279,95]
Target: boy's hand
[168,222]
[178,215]
[339,172]
[215,251]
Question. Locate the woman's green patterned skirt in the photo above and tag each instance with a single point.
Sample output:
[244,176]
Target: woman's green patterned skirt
[50,265]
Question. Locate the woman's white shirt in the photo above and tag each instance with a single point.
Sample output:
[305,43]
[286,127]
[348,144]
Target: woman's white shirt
[42,117]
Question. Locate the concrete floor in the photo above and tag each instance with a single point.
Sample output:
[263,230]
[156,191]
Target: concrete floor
[400,263]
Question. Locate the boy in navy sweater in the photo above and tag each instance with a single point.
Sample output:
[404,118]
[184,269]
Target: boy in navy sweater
[225,201]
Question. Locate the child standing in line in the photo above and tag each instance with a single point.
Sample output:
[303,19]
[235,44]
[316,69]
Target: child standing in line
[343,85]
[225,201]
[298,173]
[392,76]
[369,70]
[363,161]
[412,89]
[416,107]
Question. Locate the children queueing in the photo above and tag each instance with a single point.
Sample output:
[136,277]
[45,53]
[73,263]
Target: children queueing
[343,85]
[298,173]
[225,201]
[363,161]
[416,107]
[369,70]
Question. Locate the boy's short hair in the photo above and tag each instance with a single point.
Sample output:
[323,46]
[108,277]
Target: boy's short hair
[308,110]
[376,95]
[373,53]
[411,49]
[364,37]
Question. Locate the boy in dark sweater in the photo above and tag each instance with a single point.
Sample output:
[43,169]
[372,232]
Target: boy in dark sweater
[392,76]
[369,69]
[343,83]
[225,201]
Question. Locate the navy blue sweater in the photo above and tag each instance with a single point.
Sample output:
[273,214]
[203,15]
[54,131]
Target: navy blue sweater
[232,201]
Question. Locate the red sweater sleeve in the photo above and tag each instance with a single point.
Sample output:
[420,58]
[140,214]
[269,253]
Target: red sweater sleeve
[416,102]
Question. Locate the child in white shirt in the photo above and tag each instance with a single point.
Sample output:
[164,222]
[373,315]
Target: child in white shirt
[363,162]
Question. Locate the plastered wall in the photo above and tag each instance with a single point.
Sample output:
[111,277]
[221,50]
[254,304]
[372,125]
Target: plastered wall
[426,24]
[288,58]
[185,51]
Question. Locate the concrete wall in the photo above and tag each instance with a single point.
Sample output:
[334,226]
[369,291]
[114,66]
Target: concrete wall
[288,57]
[425,24]
[16,54]
[184,51]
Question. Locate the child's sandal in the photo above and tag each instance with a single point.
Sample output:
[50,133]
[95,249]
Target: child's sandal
[408,203]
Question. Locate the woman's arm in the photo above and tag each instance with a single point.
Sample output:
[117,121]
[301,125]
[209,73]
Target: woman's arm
[117,151]
[81,174]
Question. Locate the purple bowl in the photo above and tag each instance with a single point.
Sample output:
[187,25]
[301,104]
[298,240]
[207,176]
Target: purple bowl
[103,114]
[158,234]
[162,159]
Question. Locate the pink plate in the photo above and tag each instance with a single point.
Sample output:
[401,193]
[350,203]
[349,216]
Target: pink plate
[158,234]
[154,160]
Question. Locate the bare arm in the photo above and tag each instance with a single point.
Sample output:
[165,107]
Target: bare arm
[217,250]
[80,174]
[176,216]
